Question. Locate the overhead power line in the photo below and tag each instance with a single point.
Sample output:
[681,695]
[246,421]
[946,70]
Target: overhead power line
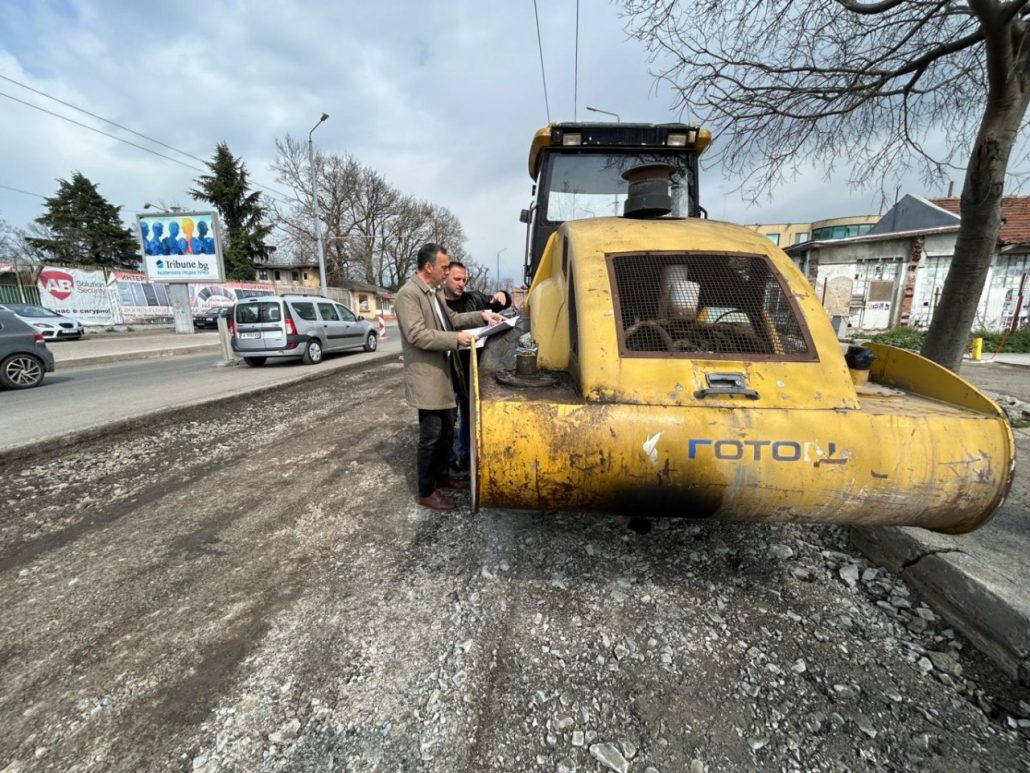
[100,131]
[100,118]
[271,191]
[19,190]
[543,75]
[575,88]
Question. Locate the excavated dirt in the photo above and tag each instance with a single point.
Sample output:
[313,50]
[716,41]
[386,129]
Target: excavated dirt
[253,588]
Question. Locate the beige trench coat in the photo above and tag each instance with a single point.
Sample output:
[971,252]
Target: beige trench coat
[424,345]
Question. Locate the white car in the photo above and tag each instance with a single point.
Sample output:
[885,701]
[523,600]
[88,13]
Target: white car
[51,324]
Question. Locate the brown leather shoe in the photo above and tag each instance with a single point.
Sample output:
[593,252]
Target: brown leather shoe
[452,484]
[436,501]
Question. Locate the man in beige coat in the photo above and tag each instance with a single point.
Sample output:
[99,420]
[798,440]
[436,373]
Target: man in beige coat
[430,337]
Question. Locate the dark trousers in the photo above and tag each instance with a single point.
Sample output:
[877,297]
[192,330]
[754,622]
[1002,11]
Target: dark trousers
[464,433]
[435,438]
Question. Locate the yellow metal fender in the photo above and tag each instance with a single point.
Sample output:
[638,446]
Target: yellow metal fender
[925,464]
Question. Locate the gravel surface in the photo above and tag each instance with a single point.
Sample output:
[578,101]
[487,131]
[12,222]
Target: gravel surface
[254,589]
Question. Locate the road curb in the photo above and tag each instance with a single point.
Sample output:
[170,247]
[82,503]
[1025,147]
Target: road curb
[153,354]
[977,599]
[992,361]
[99,431]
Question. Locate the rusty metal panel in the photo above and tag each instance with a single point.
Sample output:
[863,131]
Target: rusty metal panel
[879,290]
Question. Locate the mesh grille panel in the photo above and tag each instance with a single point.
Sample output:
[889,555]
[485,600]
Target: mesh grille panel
[685,304]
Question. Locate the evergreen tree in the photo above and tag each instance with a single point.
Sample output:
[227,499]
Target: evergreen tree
[82,227]
[242,213]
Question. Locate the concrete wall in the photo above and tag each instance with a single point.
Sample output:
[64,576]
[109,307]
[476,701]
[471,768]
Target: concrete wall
[869,263]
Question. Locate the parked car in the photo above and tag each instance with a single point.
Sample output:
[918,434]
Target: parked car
[210,317]
[24,357]
[52,325]
[302,326]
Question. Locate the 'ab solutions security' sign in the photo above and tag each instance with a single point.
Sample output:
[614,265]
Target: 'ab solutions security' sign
[181,247]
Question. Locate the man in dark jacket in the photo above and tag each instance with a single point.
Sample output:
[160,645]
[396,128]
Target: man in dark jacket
[461,301]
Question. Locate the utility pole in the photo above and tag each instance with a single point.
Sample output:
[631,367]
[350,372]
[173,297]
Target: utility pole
[499,266]
[314,205]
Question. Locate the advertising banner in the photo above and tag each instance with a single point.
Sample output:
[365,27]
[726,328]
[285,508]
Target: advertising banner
[208,296]
[137,300]
[78,293]
[181,247]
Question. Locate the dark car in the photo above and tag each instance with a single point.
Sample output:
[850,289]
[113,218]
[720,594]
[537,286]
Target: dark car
[210,317]
[24,357]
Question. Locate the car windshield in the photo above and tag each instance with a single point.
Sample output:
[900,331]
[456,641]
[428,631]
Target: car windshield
[582,185]
[25,310]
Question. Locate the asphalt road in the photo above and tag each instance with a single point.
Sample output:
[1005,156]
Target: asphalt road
[252,588]
[73,399]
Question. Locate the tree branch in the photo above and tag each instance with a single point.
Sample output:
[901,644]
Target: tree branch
[870,10]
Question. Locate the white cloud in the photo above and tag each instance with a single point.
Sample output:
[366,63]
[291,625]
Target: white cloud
[443,99]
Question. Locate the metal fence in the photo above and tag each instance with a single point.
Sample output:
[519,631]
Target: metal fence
[19,294]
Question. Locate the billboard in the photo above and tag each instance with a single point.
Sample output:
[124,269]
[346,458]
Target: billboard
[77,293]
[136,300]
[207,296]
[181,247]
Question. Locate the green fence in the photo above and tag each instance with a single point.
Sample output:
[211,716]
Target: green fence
[15,294]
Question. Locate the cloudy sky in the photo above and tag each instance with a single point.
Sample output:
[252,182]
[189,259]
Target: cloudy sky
[441,98]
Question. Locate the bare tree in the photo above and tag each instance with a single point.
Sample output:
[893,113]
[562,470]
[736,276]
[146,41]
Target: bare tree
[371,231]
[883,87]
[478,276]
[338,178]
[377,208]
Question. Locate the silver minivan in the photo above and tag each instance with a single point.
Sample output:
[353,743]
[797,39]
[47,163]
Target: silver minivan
[304,326]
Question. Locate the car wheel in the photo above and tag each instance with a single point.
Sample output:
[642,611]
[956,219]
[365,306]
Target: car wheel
[255,362]
[371,342]
[313,352]
[21,371]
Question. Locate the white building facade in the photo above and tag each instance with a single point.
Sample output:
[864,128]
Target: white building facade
[894,275]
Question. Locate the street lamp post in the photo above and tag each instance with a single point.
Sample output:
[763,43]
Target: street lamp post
[499,266]
[314,204]
[606,112]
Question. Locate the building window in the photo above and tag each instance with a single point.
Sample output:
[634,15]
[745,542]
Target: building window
[801,237]
[278,276]
[295,275]
[263,275]
[305,276]
[774,238]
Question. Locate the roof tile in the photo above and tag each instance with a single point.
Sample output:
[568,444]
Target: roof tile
[1015,214]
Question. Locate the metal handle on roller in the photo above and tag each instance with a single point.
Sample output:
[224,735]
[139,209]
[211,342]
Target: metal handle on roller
[726,384]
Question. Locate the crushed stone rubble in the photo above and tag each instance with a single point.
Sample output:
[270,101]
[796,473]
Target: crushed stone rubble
[492,642]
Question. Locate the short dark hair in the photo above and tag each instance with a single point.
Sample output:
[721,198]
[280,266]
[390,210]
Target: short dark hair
[458,264]
[428,254]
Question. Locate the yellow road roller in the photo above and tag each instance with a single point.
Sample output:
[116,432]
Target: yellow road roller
[672,365]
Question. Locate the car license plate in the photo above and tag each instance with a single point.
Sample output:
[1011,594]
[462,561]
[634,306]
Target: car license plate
[250,335]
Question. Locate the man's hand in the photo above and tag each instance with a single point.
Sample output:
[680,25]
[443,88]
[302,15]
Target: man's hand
[492,318]
[464,339]
[500,297]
